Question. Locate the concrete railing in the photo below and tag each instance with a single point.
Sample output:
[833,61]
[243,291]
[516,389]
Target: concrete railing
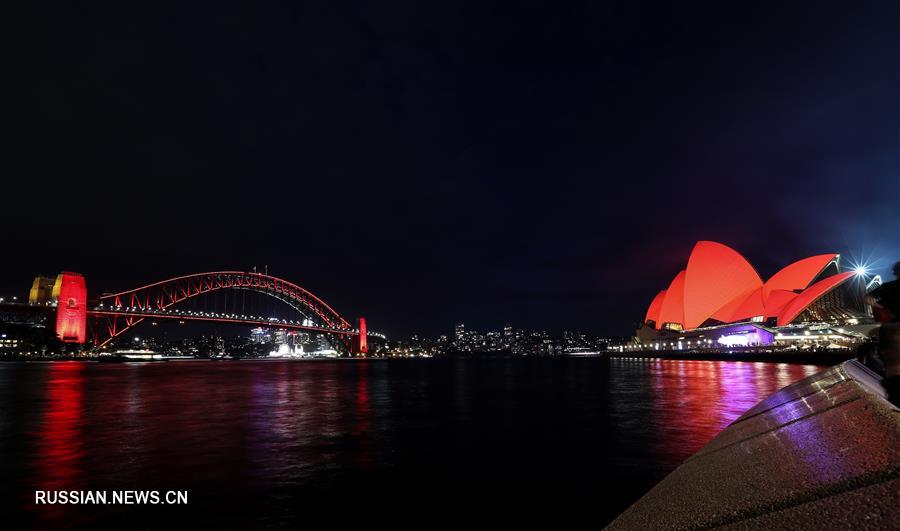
[822,453]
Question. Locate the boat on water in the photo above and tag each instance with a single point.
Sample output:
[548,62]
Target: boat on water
[131,356]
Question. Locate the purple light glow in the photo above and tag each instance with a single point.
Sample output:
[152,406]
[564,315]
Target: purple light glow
[744,336]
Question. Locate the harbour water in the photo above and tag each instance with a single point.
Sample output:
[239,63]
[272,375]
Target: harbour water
[407,443]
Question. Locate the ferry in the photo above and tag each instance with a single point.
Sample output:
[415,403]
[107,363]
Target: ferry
[131,355]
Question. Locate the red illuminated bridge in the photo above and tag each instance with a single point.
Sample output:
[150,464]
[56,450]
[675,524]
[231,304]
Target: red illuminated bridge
[111,315]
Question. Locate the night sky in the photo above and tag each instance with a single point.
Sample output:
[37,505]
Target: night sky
[544,164]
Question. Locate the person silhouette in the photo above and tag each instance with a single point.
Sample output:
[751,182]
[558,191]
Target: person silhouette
[885,302]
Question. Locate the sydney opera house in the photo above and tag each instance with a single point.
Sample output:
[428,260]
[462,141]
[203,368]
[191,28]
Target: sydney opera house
[720,300]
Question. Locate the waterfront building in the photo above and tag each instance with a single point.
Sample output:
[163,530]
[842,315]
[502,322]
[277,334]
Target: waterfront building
[261,335]
[719,300]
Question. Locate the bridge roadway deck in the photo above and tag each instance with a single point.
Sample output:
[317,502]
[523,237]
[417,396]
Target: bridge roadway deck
[823,453]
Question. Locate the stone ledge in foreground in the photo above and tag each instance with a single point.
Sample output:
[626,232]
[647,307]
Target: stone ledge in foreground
[820,453]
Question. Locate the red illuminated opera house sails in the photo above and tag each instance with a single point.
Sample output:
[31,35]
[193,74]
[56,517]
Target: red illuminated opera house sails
[719,286]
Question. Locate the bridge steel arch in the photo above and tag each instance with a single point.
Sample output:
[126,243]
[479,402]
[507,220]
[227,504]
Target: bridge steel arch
[167,293]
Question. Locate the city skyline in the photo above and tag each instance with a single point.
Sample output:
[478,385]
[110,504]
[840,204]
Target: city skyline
[453,166]
[536,264]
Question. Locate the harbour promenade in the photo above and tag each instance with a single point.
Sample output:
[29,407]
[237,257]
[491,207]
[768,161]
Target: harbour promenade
[821,453]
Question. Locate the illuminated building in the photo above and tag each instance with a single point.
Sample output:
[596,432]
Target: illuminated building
[719,288]
[463,339]
[9,342]
[42,290]
[261,335]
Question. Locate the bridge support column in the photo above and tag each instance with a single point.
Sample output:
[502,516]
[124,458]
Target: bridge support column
[360,343]
[71,308]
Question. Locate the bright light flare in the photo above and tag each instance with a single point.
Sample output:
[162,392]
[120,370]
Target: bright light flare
[865,265]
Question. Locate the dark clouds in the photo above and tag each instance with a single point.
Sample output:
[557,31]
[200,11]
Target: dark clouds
[544,164]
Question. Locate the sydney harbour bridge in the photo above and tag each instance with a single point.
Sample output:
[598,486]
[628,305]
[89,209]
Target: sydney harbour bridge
[98,322]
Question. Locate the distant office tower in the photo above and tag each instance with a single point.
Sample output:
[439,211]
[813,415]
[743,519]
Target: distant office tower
[261,335]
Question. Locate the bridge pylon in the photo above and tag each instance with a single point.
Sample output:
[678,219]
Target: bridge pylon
[71,308]
[360,346]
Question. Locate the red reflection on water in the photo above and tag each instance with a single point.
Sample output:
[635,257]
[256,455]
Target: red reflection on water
[695,400]
[59,447]
[363,416]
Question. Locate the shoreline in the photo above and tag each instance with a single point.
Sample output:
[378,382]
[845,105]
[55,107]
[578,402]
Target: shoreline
[814,358]
[810,358]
